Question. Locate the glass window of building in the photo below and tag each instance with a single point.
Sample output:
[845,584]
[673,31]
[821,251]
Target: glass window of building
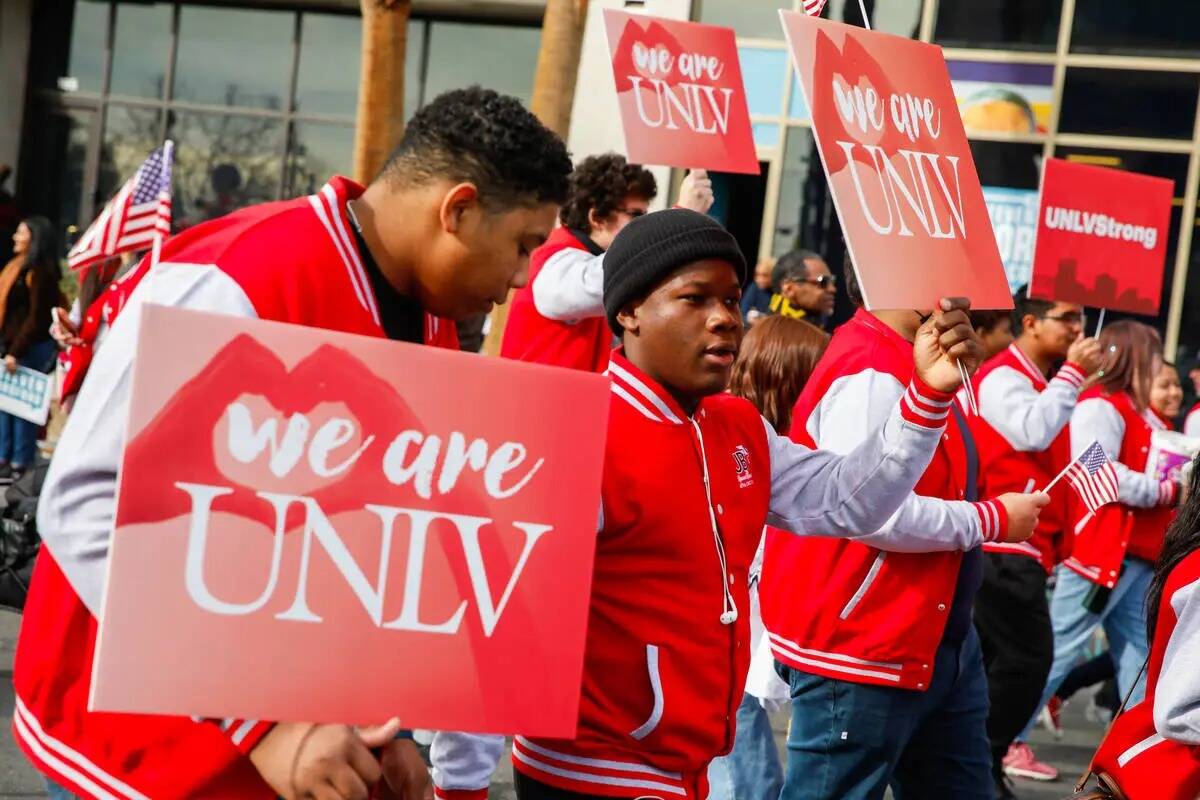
[752,20]
[799,160]
[223,162]
[503,58]
[764,70]
[316,152]
[327,81]
[234,57]
[999,24]
[141,50]
[89,38]
[1146,27]
[1158,105]
[130,134]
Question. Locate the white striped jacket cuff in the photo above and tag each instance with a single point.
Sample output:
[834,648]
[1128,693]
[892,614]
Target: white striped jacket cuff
[925,406]
[993,520]
[1072,375]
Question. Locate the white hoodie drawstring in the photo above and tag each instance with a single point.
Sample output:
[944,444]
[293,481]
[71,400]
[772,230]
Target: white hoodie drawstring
[729,612]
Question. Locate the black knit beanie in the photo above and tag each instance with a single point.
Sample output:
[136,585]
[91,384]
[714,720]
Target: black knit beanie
[651,247]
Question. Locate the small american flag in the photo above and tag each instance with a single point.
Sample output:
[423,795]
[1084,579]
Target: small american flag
[1093,476]
[138,214]
[813,7]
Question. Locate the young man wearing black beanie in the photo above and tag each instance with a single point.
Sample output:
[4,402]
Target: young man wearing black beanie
[691,475]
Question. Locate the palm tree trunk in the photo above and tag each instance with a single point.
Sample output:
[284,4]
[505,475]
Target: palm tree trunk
[553,95]
[381,85]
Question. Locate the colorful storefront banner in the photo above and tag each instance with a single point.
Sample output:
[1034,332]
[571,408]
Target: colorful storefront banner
[1003,97]
[680,90]
[1102,237]
[899,166]
[334,528]
[1014,221]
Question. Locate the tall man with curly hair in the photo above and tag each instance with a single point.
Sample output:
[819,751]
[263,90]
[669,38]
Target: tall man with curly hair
[444,231]
[558,318]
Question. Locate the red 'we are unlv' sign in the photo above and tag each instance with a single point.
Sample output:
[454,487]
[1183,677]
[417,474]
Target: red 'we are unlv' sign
[326,527]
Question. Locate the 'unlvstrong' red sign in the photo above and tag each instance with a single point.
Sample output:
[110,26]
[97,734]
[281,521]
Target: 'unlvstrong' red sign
[325,527]
[899,165]
[679,86]
[1101,237]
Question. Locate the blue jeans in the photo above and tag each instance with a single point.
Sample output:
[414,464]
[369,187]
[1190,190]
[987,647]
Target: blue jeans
[751,771]
[850,741]
[18,437]
[1124,621]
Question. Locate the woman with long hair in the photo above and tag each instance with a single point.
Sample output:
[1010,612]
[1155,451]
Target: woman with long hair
[776,358]
[29,292]
[1108,575]
[1152,751]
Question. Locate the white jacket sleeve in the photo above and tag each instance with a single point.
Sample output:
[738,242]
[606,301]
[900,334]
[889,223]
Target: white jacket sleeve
[463,763]
[1191,425]
[876,440]
[570,286]
[1095,420]
[1028,420]
[76,510]
[1177,698]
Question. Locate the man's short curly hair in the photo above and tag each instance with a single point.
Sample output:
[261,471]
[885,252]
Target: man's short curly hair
[601,183]
[479,136]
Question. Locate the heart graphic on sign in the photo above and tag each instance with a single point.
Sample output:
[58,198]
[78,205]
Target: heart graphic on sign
[652,61]
[851,93]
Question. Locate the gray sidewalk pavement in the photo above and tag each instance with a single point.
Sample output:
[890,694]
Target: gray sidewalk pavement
[19,780]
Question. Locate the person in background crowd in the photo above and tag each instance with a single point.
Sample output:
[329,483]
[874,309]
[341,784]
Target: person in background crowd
[776,358]
[1191,425]
[1021,431]
[10,214]
[886,678]
[443,232]
[29,293]
[668,633]
[1111,567]
[995,329]
[558,318]
[1166,394]
[804,287]
[1152,751]
[756,299]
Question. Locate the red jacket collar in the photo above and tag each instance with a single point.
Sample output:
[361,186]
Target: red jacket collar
[864,317]
[642,392]
[1027,364]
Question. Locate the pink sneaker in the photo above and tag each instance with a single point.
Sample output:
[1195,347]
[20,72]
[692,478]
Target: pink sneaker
[1021,763]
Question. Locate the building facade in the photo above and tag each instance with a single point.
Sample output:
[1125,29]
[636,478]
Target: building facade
[260,99]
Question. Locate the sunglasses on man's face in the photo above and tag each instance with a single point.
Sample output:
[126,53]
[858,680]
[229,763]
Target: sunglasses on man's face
[632,213]
[1070,318]
[823,282]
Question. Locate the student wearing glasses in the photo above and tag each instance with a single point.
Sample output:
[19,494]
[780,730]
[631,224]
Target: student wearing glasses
[558,317]
[804,287]
[1025,404]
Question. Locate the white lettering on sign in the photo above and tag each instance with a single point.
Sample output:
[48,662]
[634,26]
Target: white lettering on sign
[1103,226]
[370,591]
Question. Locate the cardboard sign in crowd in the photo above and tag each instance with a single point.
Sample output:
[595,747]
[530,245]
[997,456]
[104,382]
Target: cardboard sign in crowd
[680,90]
[326,527]
[1101,237]
[899,166]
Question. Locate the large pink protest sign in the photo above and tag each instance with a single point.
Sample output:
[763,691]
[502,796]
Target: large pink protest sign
[899,165]
[679,86]
[325,527]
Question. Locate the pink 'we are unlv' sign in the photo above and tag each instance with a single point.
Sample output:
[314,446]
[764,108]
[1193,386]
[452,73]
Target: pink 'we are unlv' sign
[680,90]
[319,526]
[899,165]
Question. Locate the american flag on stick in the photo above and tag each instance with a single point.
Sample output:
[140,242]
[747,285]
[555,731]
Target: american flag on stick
[137,217]
[1093,477]
[813,7]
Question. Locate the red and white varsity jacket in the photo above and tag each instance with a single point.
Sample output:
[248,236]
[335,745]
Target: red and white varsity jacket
[847,608]
[293,261]
[684,500]
[1021,434]
[558,317]
[1153,749]
[1135,525]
